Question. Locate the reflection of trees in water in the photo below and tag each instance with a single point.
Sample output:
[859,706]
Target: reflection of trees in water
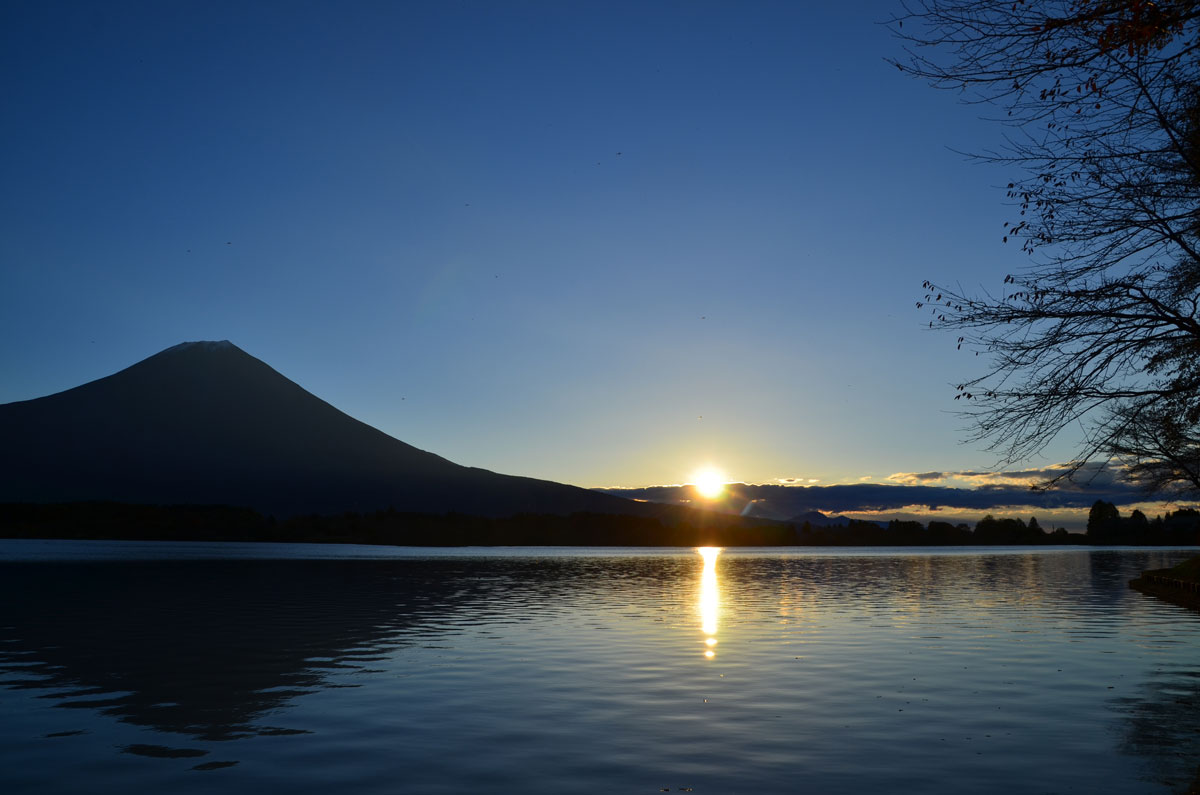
[1111,571]
[1056,580]
[884,580]
[208,648]
[1164,729]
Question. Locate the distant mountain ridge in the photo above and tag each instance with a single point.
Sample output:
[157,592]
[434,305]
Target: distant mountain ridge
[818,519]
[207,423]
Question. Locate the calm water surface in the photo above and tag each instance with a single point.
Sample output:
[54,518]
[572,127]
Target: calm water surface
[132,667]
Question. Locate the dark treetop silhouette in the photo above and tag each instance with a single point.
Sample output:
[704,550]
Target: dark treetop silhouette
[206,423]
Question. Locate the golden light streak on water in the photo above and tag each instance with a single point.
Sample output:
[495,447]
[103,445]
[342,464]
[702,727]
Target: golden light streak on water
[710,598]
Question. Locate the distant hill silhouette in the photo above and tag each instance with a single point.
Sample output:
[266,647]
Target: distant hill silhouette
[206,423]
[818,519]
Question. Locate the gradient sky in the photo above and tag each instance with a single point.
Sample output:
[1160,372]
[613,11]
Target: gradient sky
[601,243]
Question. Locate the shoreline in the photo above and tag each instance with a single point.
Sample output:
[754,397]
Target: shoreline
[1168,585]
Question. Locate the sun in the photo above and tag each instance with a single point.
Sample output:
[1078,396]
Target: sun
[709,483]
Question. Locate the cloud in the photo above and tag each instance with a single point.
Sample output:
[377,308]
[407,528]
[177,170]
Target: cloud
[979,491]
[1089,478]
[913,478]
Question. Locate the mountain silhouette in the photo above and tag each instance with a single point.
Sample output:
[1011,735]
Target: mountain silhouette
[818,519]
[207,423]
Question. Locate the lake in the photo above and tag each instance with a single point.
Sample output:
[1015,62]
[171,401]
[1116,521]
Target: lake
[156,667]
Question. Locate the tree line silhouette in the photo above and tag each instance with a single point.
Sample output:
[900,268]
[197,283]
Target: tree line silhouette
[674,526]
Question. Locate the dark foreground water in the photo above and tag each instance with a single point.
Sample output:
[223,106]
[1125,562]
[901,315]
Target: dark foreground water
[161,668]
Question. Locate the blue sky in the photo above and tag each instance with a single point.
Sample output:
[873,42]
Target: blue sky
[600,243]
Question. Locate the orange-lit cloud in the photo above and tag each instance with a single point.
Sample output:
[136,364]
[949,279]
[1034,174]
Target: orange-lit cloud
[966,493]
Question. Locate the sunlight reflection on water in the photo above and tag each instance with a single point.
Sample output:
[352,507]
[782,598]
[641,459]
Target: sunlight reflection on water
[539,671]
[710,598]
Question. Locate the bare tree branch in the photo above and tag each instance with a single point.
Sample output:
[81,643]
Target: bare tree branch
[1100,331]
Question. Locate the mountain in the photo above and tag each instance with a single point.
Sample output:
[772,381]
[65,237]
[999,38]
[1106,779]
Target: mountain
[818,519]
[207,423]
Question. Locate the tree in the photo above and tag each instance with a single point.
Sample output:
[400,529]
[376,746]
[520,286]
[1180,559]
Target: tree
[1160,444]
[1101,330]
[1104,522]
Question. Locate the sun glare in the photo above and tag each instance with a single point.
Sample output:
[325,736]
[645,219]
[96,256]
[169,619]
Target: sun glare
[710,483]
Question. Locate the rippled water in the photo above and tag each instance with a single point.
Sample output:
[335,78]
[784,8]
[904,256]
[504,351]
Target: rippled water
[254,668]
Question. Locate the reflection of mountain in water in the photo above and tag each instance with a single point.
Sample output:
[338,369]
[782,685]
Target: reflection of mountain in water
[207,648]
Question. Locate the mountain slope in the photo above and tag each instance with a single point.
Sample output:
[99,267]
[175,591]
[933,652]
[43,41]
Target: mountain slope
[206,423]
